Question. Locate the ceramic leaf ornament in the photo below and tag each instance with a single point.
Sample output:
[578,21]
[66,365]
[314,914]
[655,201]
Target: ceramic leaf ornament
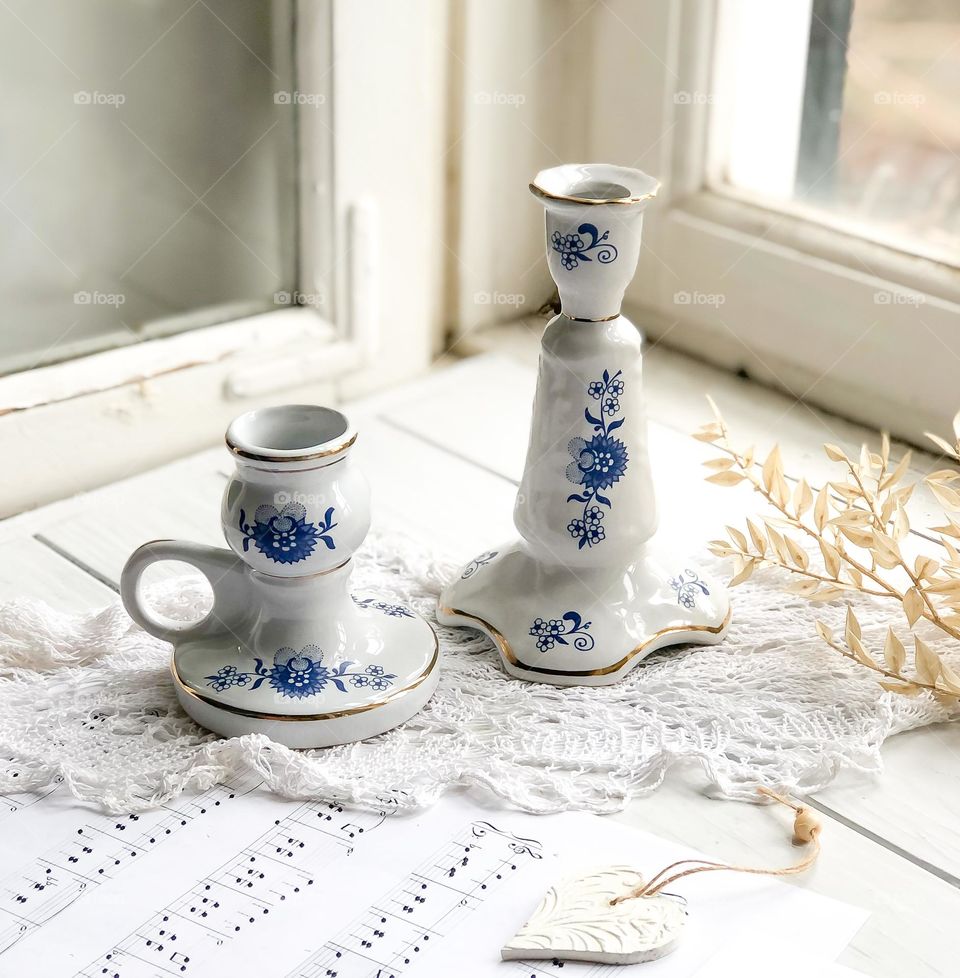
[619,916]
[576,922]
[589,588]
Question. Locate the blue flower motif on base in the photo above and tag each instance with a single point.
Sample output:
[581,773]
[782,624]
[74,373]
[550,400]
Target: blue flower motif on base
[557,631]
[688,585]
[284,535]
[599,462]
[226,677]
[477,563]
[297,675]
[394,610]
[573,249]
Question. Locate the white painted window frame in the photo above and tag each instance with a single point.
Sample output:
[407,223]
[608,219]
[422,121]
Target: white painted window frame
[851,324]
[79,424]
[310,315]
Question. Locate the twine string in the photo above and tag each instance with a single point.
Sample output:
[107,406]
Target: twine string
[806,831]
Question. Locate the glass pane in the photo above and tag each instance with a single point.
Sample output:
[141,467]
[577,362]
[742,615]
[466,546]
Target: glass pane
[147,171]
[856,119]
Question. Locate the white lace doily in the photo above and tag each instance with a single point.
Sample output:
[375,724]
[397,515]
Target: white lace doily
[88,698]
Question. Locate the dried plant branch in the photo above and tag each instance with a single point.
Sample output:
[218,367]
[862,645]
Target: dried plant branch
[858,523]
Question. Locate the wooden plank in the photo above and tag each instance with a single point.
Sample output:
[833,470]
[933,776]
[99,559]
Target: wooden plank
[459,507]
[479,404]
[914,804]
[479,409]
[444,502]
[178,501]
[29,569]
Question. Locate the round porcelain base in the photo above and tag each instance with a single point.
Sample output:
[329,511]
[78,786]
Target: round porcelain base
[588,627]
[385,673]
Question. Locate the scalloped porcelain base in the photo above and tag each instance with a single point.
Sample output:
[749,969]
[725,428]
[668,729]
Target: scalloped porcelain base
[368,669]
[584,627]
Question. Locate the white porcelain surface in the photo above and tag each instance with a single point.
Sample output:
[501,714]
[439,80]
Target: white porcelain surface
[587,592]
[594,216]
[296,504]
[316,667]
[573,356]
[305,732]
[287,650]
[572,626]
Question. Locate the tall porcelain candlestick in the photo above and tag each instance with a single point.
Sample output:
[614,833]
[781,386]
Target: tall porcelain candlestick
[587,592]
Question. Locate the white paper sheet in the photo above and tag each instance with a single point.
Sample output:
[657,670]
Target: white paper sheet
[768,958]
[237,882]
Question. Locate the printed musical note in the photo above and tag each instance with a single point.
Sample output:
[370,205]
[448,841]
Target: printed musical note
[426,906]
[252,884]
[95,853]
[269,883]
[555,969]
[15,802]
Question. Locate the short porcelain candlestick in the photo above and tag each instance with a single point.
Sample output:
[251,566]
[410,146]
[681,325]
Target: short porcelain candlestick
[585,593]
[287,650]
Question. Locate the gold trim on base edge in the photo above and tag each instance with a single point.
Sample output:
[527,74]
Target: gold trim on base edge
[508,654]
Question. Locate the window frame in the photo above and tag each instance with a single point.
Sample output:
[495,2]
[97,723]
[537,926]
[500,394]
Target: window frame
[803,304]
[76,425]
[225,331]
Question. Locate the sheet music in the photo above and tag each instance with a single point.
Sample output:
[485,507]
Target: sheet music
[235,881]
[79,851]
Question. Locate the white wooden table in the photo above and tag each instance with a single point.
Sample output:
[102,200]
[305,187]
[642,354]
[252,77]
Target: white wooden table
[444,456]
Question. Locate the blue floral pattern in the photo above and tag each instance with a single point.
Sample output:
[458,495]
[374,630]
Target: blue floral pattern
[477,563]
[573,249]
[688,585]
[285,535]
[598,462]
[394,610]
[297,675]
[557,631]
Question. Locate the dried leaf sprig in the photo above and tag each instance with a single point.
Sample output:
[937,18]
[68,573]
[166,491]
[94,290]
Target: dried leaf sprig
[858,522]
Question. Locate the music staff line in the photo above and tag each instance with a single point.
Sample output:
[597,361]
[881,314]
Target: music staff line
[61,875]
[248,885]
[393,933]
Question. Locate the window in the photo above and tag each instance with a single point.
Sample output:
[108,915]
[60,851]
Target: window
[196,196]
[807,230]
[845,112]
[151,187]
